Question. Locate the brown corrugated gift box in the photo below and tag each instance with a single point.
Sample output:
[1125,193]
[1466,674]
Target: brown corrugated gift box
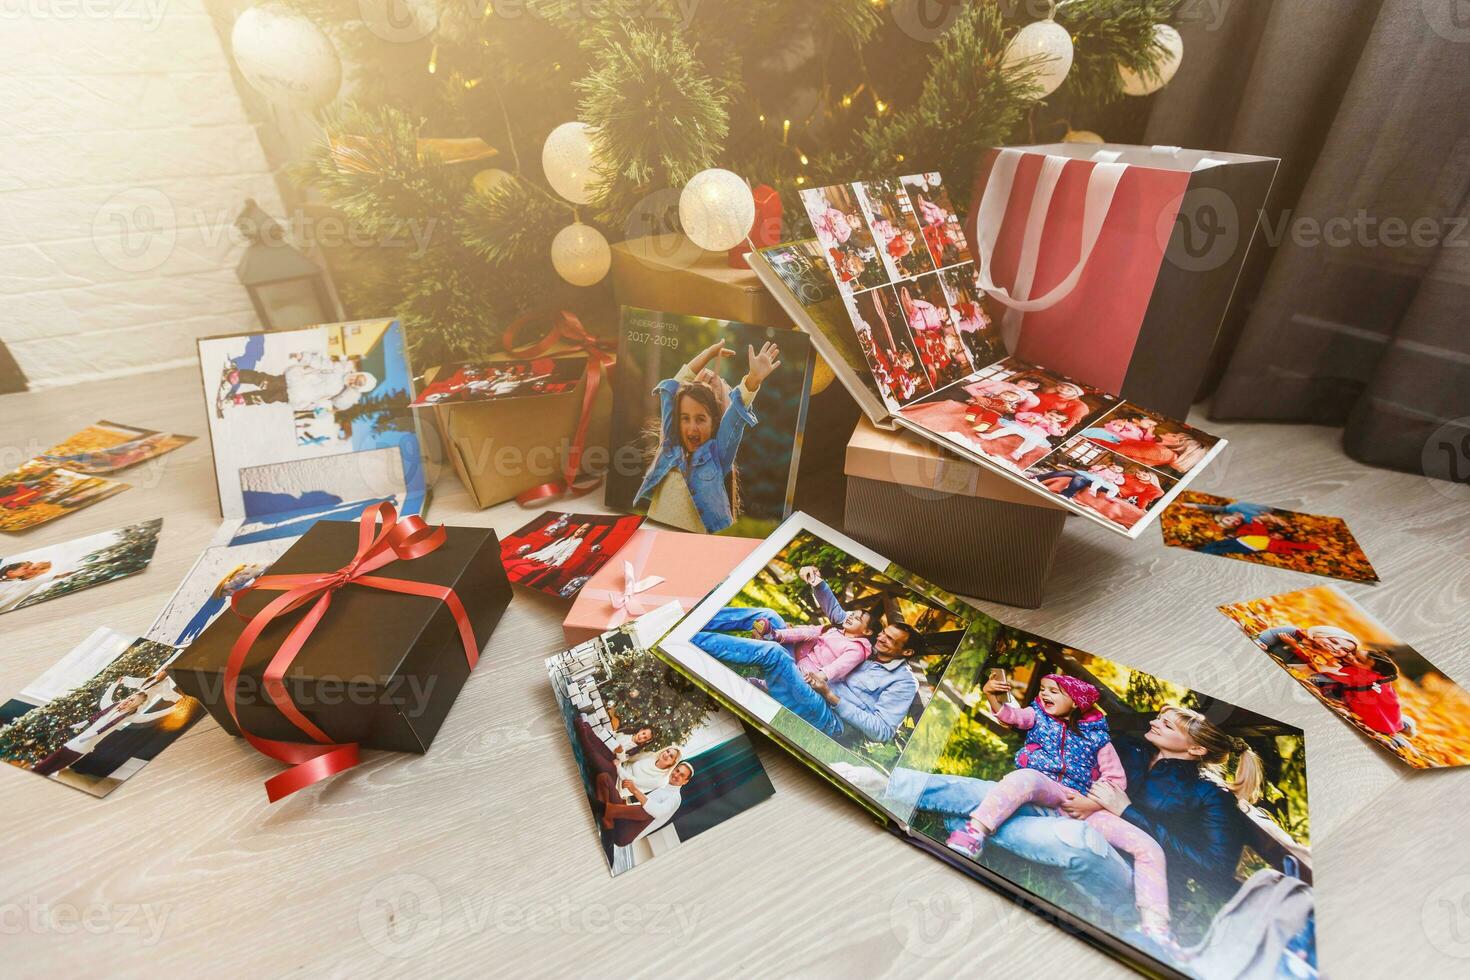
[956,524]
[500,449]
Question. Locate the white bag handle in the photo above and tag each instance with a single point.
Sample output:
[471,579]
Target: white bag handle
[1102,185]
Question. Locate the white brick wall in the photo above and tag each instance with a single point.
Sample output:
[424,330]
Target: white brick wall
[127,154]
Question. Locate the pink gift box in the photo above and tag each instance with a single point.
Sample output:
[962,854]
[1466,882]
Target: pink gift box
[653,569]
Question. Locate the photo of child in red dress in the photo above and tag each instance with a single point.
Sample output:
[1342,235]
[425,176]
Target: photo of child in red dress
[895,225]
[557,553]
[837,218]
[1352,664]
[884,336]
[931,324]
[498,380]
[943,232]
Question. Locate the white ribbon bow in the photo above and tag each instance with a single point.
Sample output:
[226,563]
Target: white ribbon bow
[627,600]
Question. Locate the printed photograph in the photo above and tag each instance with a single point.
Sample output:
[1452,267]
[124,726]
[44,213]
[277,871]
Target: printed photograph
[932,326]
[293,395]
[1163,444]
[707,422]
[1011,412]
[99,715]
[661,762]
[835,653]
[943,231]
[1362,672]
[837,219]
[32,577]
[883,335]
[285,499]
[895,226]
[967,302]
[205,593]
[557,553]
[1265,535]
[110,446]
[1111,486]
[1166,817]
[497,380]
[37,492]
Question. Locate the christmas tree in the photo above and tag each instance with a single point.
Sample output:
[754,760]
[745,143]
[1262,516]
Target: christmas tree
[781,93]
[644,691]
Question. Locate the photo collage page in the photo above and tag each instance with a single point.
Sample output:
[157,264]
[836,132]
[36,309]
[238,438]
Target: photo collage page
[906,275]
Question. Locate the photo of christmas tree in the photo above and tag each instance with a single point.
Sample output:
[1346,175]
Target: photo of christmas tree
[98,715]
[32,577]
[660,760]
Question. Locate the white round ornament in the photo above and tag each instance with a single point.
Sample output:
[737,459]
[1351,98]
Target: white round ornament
[581,254]
[1147,83]
[567,161]
[1049,43]
[286,57]
[717,210]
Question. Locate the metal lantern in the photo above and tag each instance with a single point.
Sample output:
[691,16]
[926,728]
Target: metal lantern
[288,289]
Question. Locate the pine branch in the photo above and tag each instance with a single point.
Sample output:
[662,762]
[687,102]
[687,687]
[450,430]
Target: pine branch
[1108,35]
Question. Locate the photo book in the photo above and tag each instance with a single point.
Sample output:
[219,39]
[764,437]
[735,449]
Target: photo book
[660,760]
[707,422]
[900,315]
[1163,825]
[310,423]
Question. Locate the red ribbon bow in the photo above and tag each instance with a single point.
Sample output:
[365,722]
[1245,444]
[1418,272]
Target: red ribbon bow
[601,355]
[406,540]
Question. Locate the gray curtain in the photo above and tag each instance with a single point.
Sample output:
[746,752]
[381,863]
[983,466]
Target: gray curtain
[1352,309]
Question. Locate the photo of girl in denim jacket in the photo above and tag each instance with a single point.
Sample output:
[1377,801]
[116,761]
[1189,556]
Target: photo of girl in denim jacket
[691,482]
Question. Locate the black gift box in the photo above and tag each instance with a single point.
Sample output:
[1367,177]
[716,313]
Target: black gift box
[382,668]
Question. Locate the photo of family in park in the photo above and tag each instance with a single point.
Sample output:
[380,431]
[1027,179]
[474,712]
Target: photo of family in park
[98,715]
[660,761]
[293,395]
[496,380]
[1363,673]
[707,422]
[1265,535]
[30,578]
[830,650]
[557,553]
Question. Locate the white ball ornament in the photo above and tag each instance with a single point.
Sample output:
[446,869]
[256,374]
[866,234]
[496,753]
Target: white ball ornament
[717,210]
[1048,46]
[1147,83]
[581,254]
[286,57]
[568,162]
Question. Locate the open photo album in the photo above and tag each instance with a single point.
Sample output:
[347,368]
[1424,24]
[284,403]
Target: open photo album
[1159,823]
[890,293]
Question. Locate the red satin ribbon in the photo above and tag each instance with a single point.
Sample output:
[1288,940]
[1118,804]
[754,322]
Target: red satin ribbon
[566,330]
[407,539]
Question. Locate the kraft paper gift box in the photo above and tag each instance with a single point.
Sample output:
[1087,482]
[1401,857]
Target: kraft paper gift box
[672,274]
[381,669]
[1126,258]
[654,568]
[500,449]
[967,530]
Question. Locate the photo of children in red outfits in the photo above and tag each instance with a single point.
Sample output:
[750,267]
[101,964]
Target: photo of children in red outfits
[1373,680]
[977,331]
[837,218]
[557,553]
[497,380]
[931,324]
[895,225]
[1265,535]
[943,231]
[883,334]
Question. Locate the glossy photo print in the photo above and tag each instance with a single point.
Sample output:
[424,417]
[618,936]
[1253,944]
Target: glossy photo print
[499,380]
[109,446]
[707,422]
[1265,535]
[37,492]
[557,553]
[204,595]
[98,715]
[660,761]
[848,242]
[1363,673]
[29,578]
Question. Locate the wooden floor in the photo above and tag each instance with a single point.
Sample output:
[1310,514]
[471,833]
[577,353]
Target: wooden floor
[481,857]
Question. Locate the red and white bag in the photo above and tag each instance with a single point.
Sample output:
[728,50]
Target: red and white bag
[1116,264]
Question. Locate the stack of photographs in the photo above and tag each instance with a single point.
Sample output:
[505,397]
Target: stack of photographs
[917,349]
[1157,822]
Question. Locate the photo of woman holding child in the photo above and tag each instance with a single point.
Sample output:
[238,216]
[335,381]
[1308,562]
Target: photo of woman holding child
[706,421]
